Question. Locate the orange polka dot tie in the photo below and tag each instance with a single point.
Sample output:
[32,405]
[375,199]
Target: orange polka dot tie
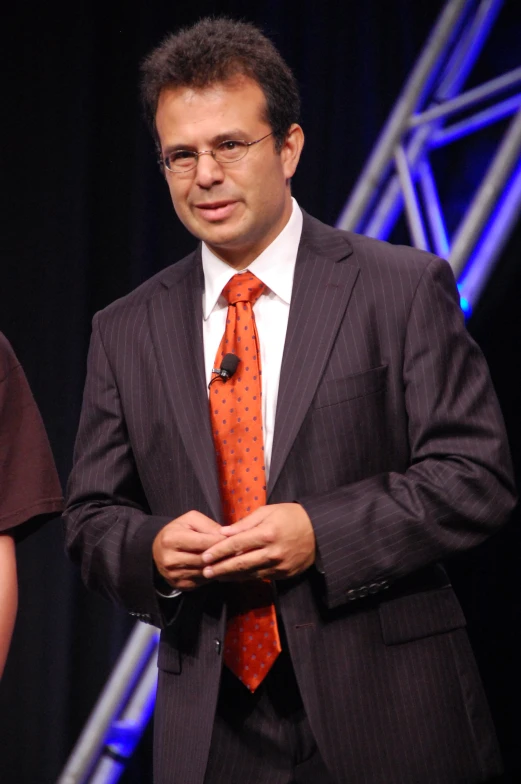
[252,640]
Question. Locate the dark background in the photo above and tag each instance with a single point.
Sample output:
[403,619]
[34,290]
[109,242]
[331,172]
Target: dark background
[87,217]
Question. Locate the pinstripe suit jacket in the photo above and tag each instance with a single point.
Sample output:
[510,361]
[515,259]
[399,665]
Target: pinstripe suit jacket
[388,432]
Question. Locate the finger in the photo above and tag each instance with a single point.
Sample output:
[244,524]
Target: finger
[247,523]
[182,560]
[177,576]
[183,540]
[198,543]
[244,566]
[186,581]
[200,522]
[235,545]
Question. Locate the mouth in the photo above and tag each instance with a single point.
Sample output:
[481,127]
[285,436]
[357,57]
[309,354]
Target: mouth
[215,210]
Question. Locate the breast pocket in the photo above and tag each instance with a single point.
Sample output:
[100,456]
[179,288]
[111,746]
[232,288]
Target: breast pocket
[340,390]
[344,436]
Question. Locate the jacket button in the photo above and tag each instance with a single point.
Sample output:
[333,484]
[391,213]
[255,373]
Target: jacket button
[218,646]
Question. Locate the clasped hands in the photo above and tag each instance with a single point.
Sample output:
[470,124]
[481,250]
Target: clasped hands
[273,542]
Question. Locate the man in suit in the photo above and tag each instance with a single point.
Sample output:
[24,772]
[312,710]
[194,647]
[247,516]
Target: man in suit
[309,632]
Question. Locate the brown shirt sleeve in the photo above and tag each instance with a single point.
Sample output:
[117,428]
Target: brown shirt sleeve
[29,484]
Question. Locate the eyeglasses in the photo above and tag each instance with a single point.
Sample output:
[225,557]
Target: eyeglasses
[228,151]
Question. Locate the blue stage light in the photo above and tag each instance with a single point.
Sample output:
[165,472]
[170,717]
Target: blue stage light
[464,304]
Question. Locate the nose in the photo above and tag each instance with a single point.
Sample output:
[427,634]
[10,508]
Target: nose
[208,171]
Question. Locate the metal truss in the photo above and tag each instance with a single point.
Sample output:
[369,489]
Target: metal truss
[120,716]
[431,113]
[398,175]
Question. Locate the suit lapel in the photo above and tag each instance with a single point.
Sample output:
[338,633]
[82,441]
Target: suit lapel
[324,279]
[176,325]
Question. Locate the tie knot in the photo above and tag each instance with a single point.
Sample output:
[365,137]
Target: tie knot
[243,288]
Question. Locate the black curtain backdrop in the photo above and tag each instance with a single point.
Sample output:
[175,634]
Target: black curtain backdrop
[87,217]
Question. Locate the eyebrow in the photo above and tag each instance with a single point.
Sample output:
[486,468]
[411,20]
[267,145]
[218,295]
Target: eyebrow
[235,134]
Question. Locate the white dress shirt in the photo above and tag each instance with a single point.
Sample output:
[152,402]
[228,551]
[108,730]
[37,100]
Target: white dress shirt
[275,267]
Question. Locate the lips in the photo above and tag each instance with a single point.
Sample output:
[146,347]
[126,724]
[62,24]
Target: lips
[215,210]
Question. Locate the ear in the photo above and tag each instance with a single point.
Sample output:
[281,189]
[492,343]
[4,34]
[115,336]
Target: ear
[291,149]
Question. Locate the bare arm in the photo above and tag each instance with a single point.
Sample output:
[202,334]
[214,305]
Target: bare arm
[8,595]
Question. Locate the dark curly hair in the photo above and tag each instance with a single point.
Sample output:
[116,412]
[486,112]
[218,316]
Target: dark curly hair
[215,50]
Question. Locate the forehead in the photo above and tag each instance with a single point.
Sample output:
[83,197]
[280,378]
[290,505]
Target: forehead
[237,104]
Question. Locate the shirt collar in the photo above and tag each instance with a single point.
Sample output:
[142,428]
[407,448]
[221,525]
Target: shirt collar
[275,266]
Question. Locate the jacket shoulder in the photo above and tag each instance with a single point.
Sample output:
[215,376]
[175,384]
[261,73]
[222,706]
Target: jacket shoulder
[398,257]
[367,251]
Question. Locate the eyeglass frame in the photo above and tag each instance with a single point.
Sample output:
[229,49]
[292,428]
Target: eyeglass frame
[198,153]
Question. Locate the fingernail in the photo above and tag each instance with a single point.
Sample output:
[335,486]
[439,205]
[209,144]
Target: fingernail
[207,557]
[208,571]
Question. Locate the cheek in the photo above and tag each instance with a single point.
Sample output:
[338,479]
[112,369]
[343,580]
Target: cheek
[271,181]
[270,194]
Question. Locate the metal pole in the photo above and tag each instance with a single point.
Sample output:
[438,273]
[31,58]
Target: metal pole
[467,49]
[386,210]
[141,644]
[471,97]
[128,729]
[487,195]
[412,208]
[433,209]
[493,241]
[477,121]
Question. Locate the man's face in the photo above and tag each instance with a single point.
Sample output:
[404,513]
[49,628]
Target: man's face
[237,208]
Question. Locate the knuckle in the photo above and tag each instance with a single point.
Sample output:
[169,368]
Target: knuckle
[166,542]
[269,534]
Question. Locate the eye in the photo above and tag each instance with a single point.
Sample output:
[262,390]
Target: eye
[230,150]
[181,155]
[230,145]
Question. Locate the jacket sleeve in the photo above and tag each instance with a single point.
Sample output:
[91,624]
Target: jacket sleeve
[458,487]
[108,525]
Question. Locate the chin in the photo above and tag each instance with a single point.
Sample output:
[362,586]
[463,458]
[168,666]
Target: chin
[222,237]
